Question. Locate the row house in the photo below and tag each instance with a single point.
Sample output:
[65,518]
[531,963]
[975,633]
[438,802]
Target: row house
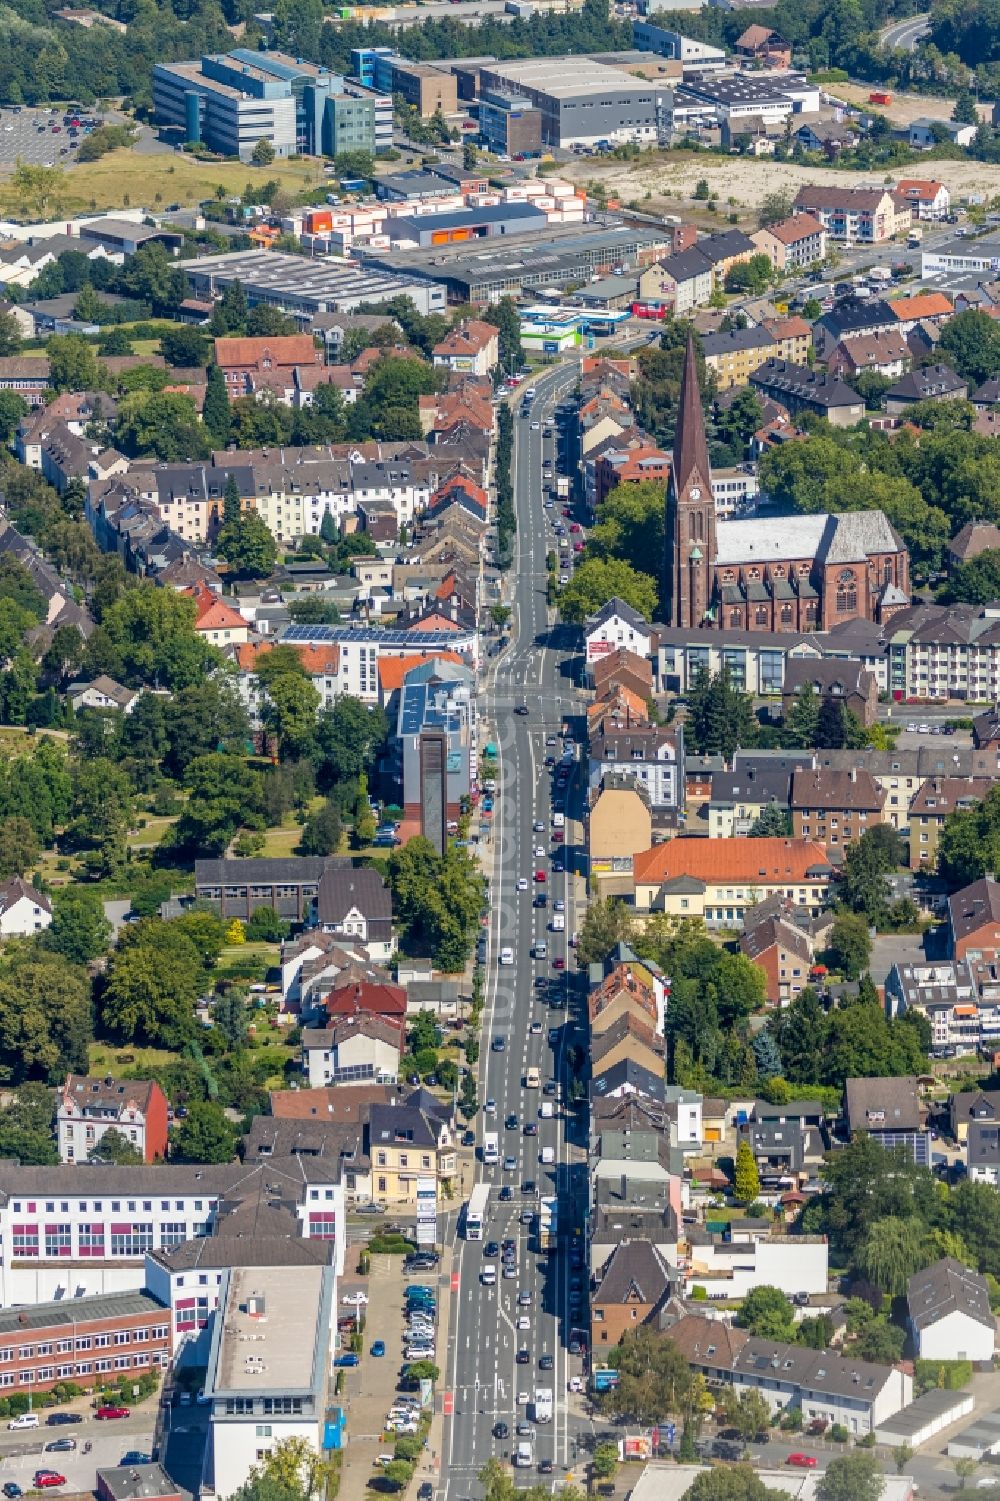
[834,807]
[650,755]
[932,804]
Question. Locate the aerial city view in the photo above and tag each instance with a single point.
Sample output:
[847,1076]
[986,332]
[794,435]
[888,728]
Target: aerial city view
[500,750]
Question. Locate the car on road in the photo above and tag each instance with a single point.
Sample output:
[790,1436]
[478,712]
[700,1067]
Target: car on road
[522,883]
[491,1105]
[510,1124]
[521,709]
[47,1479]
[510,1164]
[60,1446]
[345,1362]
[524,1298]
[528,1186]
[545,1467]
[559,963]
[524,1356]
[499,1043]
[55,1419]
[538,826]
[506,1193]
[108,1414]
[378,1348]
[501,1430]
[530,1129]
[576,1383]
[12,1491]
[559,905]
[540,875]
[539,852]
[801,1461]
[425,1491]
[546,1363]
[550,1086]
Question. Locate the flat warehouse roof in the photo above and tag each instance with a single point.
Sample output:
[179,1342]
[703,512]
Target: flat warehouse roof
[564,77]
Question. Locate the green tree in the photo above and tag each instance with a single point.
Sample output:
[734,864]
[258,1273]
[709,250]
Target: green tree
[766,1312]
[850,947]
[152,981]
[205,1135]
[654,1379]
[605,1461]
[13,409]
[747,1180]
[607,922]
[349,737]
[115,1148]
[773,822]
[72,366]
[79,930]
[598,580]
[720,717]
[748,1413]
[976,582]
[754,275]
[867,864]
[19,847]
[774,207]
[10,335]
[161,424]
[263,153]
[437,900]
[149,633]
[248,546]
[964,1471]
[184,345]
[971,341]
[901,1456]
[215,412]
[225,795]
[323,831]
[730,1483]
[45,1018]
[965,111]
[26,1127]
[290,713]
[851,1477]
[892,1252]
[802,720]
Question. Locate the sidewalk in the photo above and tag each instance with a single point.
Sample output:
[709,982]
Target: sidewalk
[429,1465]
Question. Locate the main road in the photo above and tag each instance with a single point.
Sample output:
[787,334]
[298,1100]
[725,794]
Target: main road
[530,1011]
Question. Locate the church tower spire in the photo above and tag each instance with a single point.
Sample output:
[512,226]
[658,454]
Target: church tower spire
[690,541]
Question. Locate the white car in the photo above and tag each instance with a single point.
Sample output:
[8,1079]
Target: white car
[534,427]
[523,1398]
[524,1322]
[538,826]
[539,852]
[522,883]
[576,1383]
[355,1300]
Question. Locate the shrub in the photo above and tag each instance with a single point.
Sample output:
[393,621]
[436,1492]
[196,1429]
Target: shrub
[949,1375]
[839,1433]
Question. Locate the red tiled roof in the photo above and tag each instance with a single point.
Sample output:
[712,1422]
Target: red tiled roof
[744,860]
[283,349]
[365,995]
[392,670]
[924,305]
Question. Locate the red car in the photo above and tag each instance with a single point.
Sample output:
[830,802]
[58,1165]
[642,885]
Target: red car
[104,1413]
[574,526]
[46,1479]
[539,875]
[801,1461]
[559,964]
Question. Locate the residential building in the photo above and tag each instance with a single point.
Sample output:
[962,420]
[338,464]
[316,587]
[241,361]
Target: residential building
[936,799]
[821,1384]
[833,680]
[353,1049]
[91,1341]
[616,626]
[620,825]
[23,910]
[629,1039]
[923,309]
[792,338]
[733,357]
[622,992]
[217,622]
[102,693]
[471,348]
[682,281]
[972,1107]
[405,1144]
[649,756]
[785,953]
[888,1110]
[801,389]
[90,1107]
[630,1287]
[738,798]
[853,318]
[949,1313]
[717,879]
[885,354]
[27,378]
[866,216]
[974,921]
[792,244]
[924,132]
[927,198]
[929,383]
[632,1196]
[241,359]
[762,45]
[279,1391]
[834,807]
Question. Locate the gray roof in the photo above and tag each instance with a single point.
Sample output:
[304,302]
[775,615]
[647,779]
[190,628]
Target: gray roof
[296,870]
[714,345]
[984,1145]
[616,606]
[635,1272]
[136,1483]
[71,1311]
[948,1287]
[974,907]
[929,383]
[882,1104]
[750,786]
[345,886]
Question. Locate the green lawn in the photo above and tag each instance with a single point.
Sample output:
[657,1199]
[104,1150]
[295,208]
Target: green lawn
[104,1059]
[156,825]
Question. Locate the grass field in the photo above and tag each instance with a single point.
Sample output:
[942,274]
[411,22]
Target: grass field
[105,1059]
[127,178]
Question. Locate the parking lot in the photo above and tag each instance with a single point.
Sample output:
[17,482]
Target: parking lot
[40,137]
[24,1453]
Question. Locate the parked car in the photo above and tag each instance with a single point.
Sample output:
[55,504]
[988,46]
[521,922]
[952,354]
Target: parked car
[106,1414]
[60,1446]
[47,1479]
[55,1419]
[344,1362]
[802,1461]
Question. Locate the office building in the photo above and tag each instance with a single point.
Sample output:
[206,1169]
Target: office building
[268,1367]
[230,101]
[696,56]
[581,101]
[304,287]
[436,734]
[349,124]
[509,124]
[429,90]
[363,62]
[381,112]
[92,1341]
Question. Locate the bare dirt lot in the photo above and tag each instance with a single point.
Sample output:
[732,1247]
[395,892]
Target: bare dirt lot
[741,183]
[905,108]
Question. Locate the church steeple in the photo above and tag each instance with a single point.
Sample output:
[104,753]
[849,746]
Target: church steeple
[690,542]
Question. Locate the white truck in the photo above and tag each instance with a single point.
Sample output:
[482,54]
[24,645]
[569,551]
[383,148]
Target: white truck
[524,1455]
[543,1404]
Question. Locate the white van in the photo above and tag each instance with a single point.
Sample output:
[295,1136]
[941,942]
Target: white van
[548,1156]
[546,1110]
[488,1276]
[558,820]
[506,956]
[26,1420]
[558,922]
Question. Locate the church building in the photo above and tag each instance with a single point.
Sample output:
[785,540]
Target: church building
[773,573]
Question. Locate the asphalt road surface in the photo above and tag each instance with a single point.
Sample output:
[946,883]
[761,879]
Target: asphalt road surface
[906,35]
[523,1002]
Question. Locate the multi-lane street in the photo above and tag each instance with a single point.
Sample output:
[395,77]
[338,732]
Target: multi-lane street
[513,1336]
